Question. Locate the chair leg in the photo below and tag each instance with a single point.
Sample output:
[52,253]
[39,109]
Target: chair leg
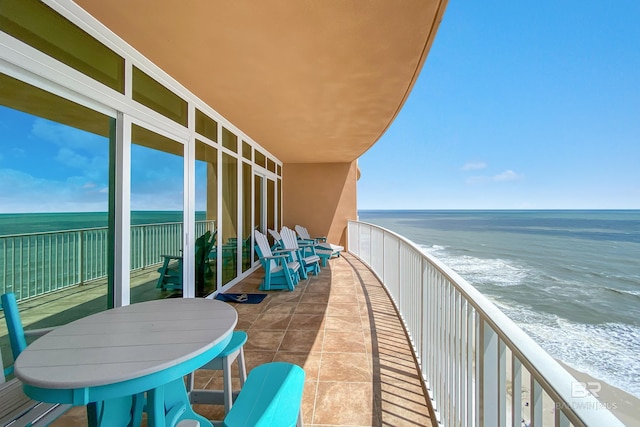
[242,369]
[190,381]
[227,385]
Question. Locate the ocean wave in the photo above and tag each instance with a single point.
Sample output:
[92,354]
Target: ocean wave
[624,292]
[605,351]
[481,271]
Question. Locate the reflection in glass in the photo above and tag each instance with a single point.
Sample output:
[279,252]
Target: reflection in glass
[229,218]
[271,218]
[247,228]
[206,212]
[157,185]
[54,212]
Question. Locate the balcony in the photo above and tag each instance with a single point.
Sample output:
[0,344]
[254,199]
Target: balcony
[342,328]
[423,349]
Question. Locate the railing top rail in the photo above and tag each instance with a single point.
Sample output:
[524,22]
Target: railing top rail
[78,230]
[555,380]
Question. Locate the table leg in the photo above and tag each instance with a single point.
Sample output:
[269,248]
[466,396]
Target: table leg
[123,411]
[169,404]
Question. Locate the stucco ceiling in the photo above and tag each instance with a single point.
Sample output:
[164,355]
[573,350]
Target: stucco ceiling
[309,80]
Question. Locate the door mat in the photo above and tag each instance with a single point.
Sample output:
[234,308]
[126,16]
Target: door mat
[242,298]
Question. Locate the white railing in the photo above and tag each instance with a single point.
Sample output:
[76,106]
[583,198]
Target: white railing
[37,263]
[479,367]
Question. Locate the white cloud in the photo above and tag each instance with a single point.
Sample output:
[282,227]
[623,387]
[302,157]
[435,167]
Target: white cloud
[507,175]
[473,180]
[66,136]
[23,192]
[470,166]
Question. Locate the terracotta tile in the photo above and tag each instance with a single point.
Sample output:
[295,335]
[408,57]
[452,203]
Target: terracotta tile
[340,298]
[312,322]
[315,298]
[264,340]
[342,404]
[257,358]
[342,323]
[280,307]
[343,309]
[344,342]
[271,320]
[307,308]
[302,341]
[308,401]
[310,362]
[345,367]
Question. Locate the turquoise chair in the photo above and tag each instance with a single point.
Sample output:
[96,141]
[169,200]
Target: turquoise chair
[323,249]
[15,407]
[171,269]
[233,350]
[305,255]
[271,397]
[279,272]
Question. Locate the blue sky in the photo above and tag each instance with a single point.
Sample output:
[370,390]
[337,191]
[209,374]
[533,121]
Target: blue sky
[520,105]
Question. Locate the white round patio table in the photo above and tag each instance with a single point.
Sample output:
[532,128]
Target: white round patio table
[110,359]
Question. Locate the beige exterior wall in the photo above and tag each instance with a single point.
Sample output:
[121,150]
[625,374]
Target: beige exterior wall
[320,197]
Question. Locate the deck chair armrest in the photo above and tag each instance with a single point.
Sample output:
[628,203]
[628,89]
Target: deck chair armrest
[172,256]
[37,332]
[275,256]
[283,251]
[311,241]
[320,239]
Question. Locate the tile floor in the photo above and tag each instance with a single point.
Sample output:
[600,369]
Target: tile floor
[341,327]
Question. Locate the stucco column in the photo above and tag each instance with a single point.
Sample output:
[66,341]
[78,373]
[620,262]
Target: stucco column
[320,197]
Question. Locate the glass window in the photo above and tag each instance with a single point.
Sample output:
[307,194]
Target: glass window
[279,170]
[54,213]
[157,187]
[271,207]
[247,227]
[258,217]
[206,214]
[206,126]
[38,25]
[279,203]
[271,165]
[261,160]
[149,92]
[246,151]
[229,218]
[229,140]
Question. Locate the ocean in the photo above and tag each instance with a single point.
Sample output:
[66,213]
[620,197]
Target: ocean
[570,279]
[24,223]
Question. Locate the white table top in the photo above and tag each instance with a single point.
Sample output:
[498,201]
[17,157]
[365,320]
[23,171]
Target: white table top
[125,343]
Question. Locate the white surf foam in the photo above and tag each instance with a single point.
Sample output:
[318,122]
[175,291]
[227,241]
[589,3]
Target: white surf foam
[601,350]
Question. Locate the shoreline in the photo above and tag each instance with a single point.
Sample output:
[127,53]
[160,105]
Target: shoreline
[623,405]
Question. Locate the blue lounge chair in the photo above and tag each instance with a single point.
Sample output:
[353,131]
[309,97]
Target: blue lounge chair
[305,253]
[15,407]
[279,272]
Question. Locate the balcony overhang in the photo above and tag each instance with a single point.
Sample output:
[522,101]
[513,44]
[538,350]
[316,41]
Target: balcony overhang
[311,81]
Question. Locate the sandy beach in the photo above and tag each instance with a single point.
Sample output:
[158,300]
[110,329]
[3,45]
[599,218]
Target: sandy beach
[623,405]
